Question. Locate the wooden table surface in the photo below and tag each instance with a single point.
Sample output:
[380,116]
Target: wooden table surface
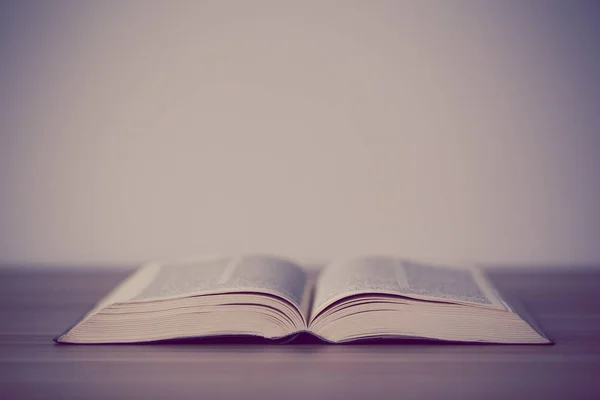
[38,303]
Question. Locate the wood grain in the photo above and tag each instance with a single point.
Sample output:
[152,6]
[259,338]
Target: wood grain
[38,303]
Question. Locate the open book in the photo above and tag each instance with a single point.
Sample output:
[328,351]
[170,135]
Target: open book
[361,298]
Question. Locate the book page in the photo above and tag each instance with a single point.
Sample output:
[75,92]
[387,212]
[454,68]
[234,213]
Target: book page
[389,275]
[252,273]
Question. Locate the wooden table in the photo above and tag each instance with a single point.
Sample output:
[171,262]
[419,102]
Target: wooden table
[38,303]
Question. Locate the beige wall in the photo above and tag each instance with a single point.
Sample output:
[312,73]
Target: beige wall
[439,130]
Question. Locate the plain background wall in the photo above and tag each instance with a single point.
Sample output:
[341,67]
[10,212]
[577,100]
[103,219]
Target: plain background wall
[438,130]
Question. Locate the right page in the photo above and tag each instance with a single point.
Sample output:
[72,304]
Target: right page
[376,297]
[390,275]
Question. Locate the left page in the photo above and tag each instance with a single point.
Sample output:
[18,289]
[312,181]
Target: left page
[256,295]
[214,275]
